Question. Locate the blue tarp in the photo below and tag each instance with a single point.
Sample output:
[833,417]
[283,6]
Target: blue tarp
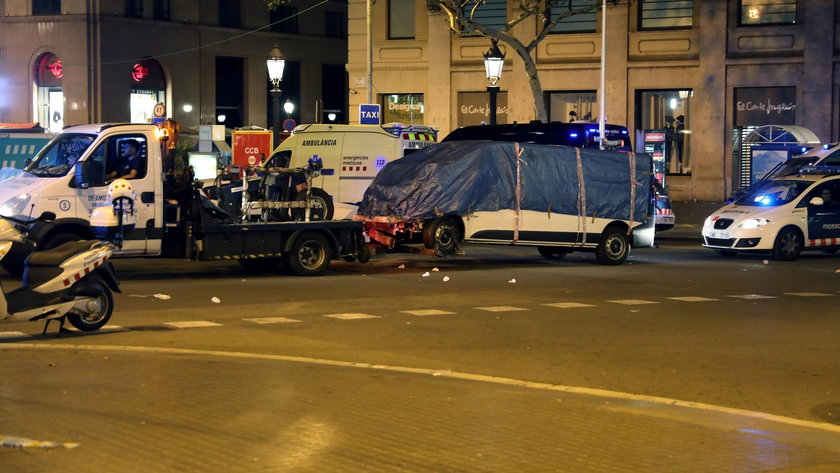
[459,177]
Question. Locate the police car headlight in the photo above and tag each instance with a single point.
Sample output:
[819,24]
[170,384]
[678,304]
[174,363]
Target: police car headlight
[753,223]
[15,206]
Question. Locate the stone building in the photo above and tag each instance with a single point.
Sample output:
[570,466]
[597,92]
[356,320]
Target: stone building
[198,61]
[698,75]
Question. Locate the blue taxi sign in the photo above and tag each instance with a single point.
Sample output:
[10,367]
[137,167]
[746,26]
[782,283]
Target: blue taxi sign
[369,114]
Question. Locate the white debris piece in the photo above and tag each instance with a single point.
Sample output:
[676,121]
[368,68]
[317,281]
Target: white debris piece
[766,262]
[164,297]
[434,270]
[512,281]
[445,278]
[426,274]
[402,266]
[216,300]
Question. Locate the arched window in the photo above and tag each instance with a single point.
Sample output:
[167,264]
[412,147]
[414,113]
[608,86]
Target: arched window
[148,88]
[49,92]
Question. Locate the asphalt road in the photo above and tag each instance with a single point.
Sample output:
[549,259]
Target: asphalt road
[676,321]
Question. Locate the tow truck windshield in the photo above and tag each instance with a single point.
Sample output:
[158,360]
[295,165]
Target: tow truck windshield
[774,193]
[59,155]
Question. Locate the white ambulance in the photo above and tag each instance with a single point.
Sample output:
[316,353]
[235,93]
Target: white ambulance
[351,155]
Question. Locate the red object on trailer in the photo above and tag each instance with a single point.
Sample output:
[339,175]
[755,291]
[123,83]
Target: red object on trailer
[251,146]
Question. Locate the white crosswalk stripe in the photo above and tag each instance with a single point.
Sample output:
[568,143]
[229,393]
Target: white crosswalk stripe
[352,316]
[751,296]
[425,312]
[568,305]
[632,302]
[692,299]
[272,320]
[500,308]
[808,294]
[192,324]
[13,335]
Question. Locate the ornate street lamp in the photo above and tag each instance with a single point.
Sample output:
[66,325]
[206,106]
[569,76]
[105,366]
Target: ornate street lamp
[276,62]
[494,60]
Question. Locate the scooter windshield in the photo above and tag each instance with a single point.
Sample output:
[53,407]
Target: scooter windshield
[59,155]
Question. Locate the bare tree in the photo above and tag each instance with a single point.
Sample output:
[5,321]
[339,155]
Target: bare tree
[462,14]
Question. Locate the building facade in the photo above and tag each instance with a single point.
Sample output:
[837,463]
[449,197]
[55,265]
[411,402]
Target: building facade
[690,79]
[68,62]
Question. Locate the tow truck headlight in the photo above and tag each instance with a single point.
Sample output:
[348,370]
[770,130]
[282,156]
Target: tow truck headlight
[15,206]
[753,223]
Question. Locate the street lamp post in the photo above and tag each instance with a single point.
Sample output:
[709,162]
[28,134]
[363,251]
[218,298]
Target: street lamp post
[275,63]
[494,60]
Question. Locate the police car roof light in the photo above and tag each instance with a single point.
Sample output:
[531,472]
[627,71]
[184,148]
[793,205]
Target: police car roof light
[825,170]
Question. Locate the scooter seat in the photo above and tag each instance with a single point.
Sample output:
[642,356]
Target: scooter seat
[59,254]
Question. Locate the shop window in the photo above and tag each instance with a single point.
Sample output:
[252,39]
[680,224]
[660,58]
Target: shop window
[134,8]
[665,14]
[767,12]
[49,73]
[284,19]
[580,23]
[333,92]
[162,10]
[474,108]
[664,119]
[46,7]
[335,25]
[572,105]
[230,13]
[400,19]
[402,108]
[148,88]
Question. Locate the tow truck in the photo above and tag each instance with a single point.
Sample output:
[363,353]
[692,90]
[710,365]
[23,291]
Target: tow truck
[174,218]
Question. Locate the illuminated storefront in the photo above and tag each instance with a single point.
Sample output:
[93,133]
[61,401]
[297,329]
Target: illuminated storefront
[49,94]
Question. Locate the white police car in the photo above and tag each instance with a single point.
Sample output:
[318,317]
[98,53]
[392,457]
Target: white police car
[783,216]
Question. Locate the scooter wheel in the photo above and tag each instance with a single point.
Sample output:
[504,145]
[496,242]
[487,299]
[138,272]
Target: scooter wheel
[98,310]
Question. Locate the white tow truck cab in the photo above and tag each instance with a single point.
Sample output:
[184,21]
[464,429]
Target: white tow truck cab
[70,177]
[352,155]
[781,216]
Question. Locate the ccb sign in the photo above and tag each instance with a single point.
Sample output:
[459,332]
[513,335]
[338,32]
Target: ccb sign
[250,146]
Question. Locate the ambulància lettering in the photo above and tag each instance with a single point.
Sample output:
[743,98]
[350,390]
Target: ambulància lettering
[318,143]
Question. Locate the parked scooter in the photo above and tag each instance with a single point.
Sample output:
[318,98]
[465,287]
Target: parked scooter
[72,281]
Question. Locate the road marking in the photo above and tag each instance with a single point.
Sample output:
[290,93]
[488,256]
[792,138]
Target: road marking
[692,299]
[632,302]
[603,393]
[808,294]
[427,312]
[192,324]
[568,305]
[500,308]
[352,316]
[271,320]
[752,296]
[13,335]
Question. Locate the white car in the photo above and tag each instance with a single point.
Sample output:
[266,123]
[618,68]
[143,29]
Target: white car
[783,217]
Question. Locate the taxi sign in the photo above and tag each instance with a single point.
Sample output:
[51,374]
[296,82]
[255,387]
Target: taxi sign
[250,146]
[369,114]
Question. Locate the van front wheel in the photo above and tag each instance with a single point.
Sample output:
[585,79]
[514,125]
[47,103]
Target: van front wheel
[441,235]
[614,246]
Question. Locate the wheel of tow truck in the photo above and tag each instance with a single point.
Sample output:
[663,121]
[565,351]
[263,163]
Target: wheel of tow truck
[364,254]
[552,252]
[260,265]
[54,241]
[442,235]
[322,206]
[309,255]
[98,311]
[788,244]
[614,246]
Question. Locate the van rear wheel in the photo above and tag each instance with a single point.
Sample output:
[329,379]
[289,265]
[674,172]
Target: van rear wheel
[441,235]
[614,246]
